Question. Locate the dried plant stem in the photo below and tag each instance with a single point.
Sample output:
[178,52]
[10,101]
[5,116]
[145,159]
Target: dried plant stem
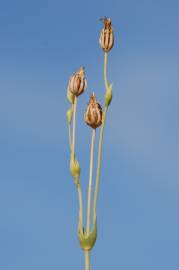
[100,141]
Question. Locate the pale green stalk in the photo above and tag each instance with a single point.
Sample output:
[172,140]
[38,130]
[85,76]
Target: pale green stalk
[99,165]
[100,141]
[87,253]
[90,182]
[105,70]
[80,203]
[73,153]
[69,130]
[74,126]
[69,135]
[87,260]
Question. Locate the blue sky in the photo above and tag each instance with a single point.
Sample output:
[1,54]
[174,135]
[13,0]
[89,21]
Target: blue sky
[41,44]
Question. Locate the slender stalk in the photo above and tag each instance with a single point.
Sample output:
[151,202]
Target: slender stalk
[74,126]
[87,253]
[80,203]
[90,182]
[105,70]
[100,141]
[87,260]
[69,129]
[69,135]
[99,164]
[73,153]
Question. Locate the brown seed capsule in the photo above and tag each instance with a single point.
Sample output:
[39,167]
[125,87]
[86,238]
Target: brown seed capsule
[77,82]
[93,114]
[106,39]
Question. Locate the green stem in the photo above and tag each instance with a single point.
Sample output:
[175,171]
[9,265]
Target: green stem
[87,252]
[105,70]
[74,126]
[87,260]
[90,182]
[73,153]
[80,203]
[99,164]
[69,129]
[100,141]
[69,135]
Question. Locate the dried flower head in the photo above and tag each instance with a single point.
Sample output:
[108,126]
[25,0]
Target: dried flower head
[93,114]
[106,39]
[77,82]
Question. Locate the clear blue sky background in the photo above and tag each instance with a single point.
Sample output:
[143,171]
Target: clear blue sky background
[41,44]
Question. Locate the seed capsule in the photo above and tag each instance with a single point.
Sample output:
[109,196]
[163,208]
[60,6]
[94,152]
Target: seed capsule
[106,39]
[93,114]
[77,82]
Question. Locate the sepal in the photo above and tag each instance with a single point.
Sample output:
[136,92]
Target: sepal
[87,241]
[69,115]
[108,95]
[74,168]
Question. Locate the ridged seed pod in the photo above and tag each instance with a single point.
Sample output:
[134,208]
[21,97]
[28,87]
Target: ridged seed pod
[93,114]
[77,82]
[106,39]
